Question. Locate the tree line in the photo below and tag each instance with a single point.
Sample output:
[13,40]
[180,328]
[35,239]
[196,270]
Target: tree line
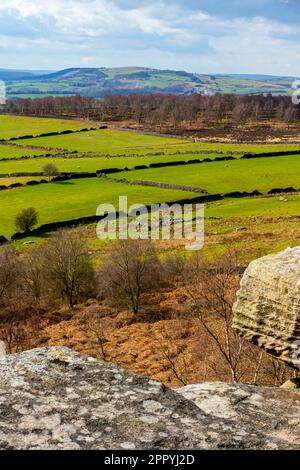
[159,110]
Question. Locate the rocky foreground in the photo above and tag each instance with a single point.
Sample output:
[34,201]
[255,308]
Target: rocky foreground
[54,398]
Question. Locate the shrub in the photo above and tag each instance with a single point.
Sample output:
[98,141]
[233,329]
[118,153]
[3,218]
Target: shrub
[26,220]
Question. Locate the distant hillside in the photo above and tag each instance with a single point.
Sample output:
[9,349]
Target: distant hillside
[100,82]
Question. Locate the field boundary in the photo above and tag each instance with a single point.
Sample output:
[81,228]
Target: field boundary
[52,226]
[103,173]
[43,155]
[52,134]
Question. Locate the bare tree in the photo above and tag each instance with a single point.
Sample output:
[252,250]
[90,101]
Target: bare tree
[93,322]
[160,111]
[132,270]
[9,330]
[211,288]
[50,170]
[290,115]
[19,327]
[68,266]
[212,295]
[9,273]
[34,276]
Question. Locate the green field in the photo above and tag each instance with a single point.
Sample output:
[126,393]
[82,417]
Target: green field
[116,142]
[9,151]
[17,179]
[73,199]
[262,174]
[90,164]
[242,85]
[255,207]
[78,198]
[15,126]
[110,142]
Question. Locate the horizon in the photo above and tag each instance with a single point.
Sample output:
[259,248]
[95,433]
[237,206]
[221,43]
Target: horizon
[260,35]
[55,70]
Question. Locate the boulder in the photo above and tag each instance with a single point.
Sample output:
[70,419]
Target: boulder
[267,310]
[53,398]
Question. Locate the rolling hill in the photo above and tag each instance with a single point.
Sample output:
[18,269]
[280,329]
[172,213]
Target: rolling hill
[100,82]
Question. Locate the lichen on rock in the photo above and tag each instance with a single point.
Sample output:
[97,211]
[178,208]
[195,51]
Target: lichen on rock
[54,398]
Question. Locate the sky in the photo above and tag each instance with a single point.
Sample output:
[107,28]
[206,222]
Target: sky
[203,36]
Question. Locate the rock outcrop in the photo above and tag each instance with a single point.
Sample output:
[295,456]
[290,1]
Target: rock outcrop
[53,398]
[267,310]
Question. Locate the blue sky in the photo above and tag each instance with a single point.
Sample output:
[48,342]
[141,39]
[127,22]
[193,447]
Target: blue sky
[204,36]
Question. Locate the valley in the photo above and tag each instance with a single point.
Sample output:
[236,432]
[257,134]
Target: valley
[99,165]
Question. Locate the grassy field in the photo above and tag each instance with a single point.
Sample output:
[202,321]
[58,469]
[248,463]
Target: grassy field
[109,142]
[73,199]
[262,174]
[245,86]
[261,236]
[114,142]
[17,179]
[91,164]
[15,126]
[78,198]
[255,207]
[10,151]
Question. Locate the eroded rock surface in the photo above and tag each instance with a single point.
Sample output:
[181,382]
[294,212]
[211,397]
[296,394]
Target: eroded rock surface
[272,411]
[267,310]
[53,398]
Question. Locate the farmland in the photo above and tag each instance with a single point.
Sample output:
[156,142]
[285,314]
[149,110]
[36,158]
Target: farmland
[10,151]
[90,164]
[7,181]
[110,142]
[113,148]
[269,207]
[15,126]
[73,199]
[262,174]
[116,142]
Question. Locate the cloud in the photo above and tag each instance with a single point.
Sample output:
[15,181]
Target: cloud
[163,33]
[99,17]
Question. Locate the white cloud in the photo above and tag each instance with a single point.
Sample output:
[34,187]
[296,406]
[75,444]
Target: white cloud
[96,17]
[99,32]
